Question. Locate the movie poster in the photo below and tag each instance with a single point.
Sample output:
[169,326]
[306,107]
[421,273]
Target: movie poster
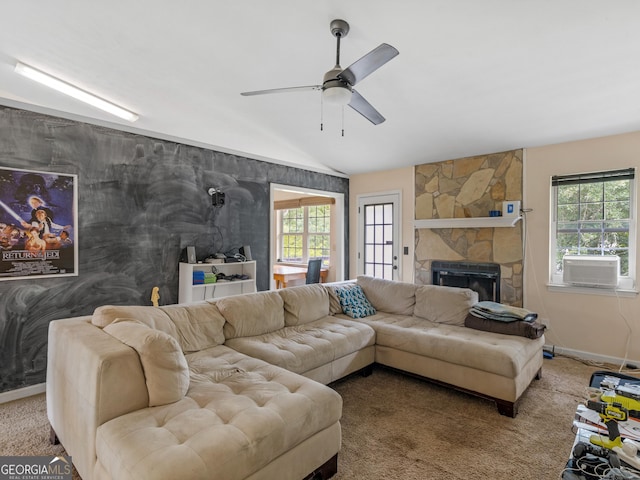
[38,224]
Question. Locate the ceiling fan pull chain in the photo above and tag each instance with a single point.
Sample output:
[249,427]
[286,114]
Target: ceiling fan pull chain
[343,120]
[321,114]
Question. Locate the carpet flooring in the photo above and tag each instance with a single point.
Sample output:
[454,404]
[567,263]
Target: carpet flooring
[395,426]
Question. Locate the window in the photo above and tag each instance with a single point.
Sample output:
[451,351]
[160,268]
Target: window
[292,235]
[594,215]
[305,232]
[319,231]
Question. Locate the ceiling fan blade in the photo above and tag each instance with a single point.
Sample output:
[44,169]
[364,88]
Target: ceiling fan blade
[368,64]
[282,90]
[364,108]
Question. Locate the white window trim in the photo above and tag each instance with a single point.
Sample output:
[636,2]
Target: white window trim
[305,237]
[339,230]
[628,285]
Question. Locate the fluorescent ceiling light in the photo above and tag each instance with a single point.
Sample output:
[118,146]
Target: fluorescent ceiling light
[74,92]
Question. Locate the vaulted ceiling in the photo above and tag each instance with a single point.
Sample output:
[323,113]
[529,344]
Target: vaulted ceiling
[472,76]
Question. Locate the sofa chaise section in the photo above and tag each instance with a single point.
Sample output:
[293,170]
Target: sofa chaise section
[500,369]
[240,418]
[420,329]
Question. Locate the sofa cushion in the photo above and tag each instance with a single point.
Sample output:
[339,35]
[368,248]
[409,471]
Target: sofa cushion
[440,304]
[504,355]
[198,325]
[302,348]
[165,368]
[389,296]
[304,304]
[151,316]
[252,314]
[195,326]
[353,301]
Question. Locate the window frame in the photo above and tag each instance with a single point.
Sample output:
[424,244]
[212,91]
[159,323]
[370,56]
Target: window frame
[282,234]
[627,282]
[306,235]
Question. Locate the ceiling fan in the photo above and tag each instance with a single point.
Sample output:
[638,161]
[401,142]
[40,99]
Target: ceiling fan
[337,85]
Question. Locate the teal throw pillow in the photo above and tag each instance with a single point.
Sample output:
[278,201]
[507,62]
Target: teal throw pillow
[353,301]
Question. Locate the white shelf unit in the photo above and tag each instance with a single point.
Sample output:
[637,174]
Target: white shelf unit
[189,293]
[476,222]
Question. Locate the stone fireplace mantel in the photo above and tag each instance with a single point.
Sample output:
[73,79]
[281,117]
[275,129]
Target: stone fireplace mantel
[475,222]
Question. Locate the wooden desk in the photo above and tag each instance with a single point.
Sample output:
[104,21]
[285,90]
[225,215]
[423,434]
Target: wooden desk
[283,274]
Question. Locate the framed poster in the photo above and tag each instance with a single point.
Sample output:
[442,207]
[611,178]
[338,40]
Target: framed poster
[38,224]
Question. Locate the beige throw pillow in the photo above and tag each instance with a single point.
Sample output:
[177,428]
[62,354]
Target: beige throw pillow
[198,326]
[304,304]
[388,295]
[440,304]
[165,368]
[252,314]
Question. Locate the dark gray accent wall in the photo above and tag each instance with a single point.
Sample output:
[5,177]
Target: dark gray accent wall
[140,202]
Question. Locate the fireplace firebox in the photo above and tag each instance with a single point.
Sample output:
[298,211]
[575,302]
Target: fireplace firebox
[483,278]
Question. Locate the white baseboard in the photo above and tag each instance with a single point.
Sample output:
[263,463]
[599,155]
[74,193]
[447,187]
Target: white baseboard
[593,357]
[25,392]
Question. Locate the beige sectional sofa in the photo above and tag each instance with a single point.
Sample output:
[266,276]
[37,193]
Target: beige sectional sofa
[235,389]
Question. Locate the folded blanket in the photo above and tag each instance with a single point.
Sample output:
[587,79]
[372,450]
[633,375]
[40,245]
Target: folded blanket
[521,328]
[501,312]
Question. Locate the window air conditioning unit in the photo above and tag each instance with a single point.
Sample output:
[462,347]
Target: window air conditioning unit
[591,270]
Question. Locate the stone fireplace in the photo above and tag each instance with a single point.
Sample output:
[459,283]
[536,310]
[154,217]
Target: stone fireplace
[469,188]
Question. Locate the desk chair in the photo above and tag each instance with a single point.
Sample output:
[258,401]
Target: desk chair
[313,271]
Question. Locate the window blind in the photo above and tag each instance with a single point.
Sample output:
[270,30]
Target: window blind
[609,176]
[303,202]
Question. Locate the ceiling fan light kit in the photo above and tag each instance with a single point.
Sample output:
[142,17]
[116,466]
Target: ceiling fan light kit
[337,85]
[337,94]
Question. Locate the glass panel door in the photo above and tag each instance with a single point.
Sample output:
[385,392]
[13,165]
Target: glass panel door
[378,239]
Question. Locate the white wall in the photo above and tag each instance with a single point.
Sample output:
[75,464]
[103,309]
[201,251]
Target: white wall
[603,325]
[401,179]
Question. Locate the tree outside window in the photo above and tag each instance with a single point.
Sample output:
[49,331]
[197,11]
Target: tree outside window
[292,234]
[593,217]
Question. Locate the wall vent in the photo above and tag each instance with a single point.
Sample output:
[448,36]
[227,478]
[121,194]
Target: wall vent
[591,270]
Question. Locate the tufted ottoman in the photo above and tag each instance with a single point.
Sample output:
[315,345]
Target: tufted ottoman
[241,418]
